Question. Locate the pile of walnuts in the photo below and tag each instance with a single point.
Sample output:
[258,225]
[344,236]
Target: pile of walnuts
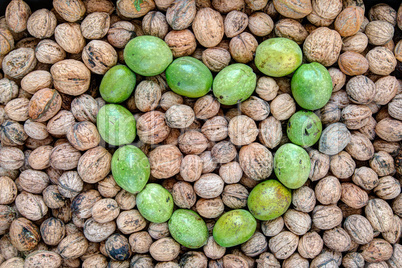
[59,203]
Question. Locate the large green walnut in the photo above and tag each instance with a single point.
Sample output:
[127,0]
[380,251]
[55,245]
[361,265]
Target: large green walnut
[130,168]
[189,77]
[155,203]
[147,55]
[188,228]
[304,128]
[234,84]
[117,84]
[234,228]
[116,124]
[269,200]
[292,165]
[311,86]
[278,57]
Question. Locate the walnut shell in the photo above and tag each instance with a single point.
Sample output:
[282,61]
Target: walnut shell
[35,130]
[206,107]
[108,187]
[69,37]
[83,203]
[360,147]
[383,12]
[24,234]
[377,250]
[359,229]
[13,262]
[6,41]
[388,188]
[95,25]
[191,168]
[304,199]
[389,129]
[183,195]
[120,33]
[94,165]
[192,142]
[44,104]
[352,63]
[269,260]
[349,21]
[19,62]
[328,190]
[283,106]
[215,129]
[386,88]
[293,9]
[17,14]
[59,124]
[8,90]
[366,178]
[216,58]
[52,231]
[9,190]
[256,108]
[209,186]
[83,135]
[297,222]
[181,43]
[97,232]
[256,161]
[335,131]
[105,210]
[165,161]
[77,79]
[12,133]
[36,80]
[208,27]
[260,24]
[64,157]
[242,47]
[353,196]
[154,23]
[164,249]
[99,6]
[127,9]
[85,108]
[381,61]
[235,196]
[125,200]
[147,95]
[152,128]
[210,208]
[235,23]
[231,172]
[99,56]
[242,130]
[52,197]
[33,181]
[361,89]
[213,250]
[291,29]
[31,206]
[49,52]
[356,43]
[379,32]
[379,214]
[41,23]
[342,165]
[327,217]
[72,246]
[11,158]
[283,244]
[310,245]
[181,14]
[140,242]
[337,239]
[70,11]
[393,235]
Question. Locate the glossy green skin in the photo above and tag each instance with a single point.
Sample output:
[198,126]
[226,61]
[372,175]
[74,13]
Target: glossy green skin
[269,200]
[234,228]
[189,77]
[188,228]
[147,55]
[234,84]
[130,168]
[311,86]
[117,84]
[278,57]
[155,203]
[116,124]
[292,165]
[304,128]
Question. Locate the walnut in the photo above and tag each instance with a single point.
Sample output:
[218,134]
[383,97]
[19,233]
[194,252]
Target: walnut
[17,14]
[268,260]
[181,43]
[108,187]
[125,200]
[223,152]
[215,129]
[291,29]
[36,80]
[31,206]
[9,190]
[242,47]
[377,250]
[366,178]
[242,130]
[297,222]
[328,190]
[392,236]
[388,188]
[235,196]
[261,24]
[24,235]
[94,164]
[352,63]
[361,89]
[383,12]
[212,250]
[304,199]
[255,108]
[52,197]
[11,158]
[33,181]
[179,116]
[231,172]
[169,99]
[379,32]
[181,14]
[52,231]
[164,249]
[235,23]
[283,244]
[97,232]
[337,239]
[389,129]
[209,186]
[152,128]
[99,56]
[349,21]
[310,245]
[208,27]
[256,161]
[294,10]
[85,108]
[140,242]
[255,245]
[191,168]
[76,82]
[323,45]
[184,195]
[206,107]
[192,142]
[356,116]
[386,88]
[360,147]
[72,246]
[356,43]
[95,25]
[64,157]
[381,61]
[42,23]
[64,213]
[379,214]
[105,210]
[208,163]
[12,133]
[272,227]
[165,161]
[283,107]
[334,132]
[126,8]
[71,11]
[69,37]
[6,41]
[120,33]
[59,124]
[154,23]
[342,165]
[8,90]
[210,208]
[49,52]
[327,217]
[19,62]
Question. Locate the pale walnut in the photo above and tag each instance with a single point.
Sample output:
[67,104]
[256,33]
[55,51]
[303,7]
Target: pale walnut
[42,23]
[165,161]
[208,27]
[255,108]
[152,127]
[216,58]
[291,29]
[69,37]
[16,16]
[6,41]
[242,130]
[209,186]
[181,43]
[283,244]
[337,239]
[120,33]
[256,161]
[380,215]
[283,107]
[327,217]
[147,95]
[154,23]
[19,62]
[242,47]
[235,23]
[99,56]
[260,24]
[381,61]
[17,109]
[76,82]
[179,116]
[49,52]
[181,14]
[225,6]
[310,245]
[379,32]
[356,43]
[361,89]
[94,165]
[206,107]
[71,11]
[293,9]
[297,222]
[389,129]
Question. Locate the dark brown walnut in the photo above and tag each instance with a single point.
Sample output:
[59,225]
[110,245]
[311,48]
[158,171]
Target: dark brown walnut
[84,108]
[9,190]
[360,147]
[382,163]
[310,245]
[52,197]
[210,208]
[328,190]
[181,14]
[304,199]
[140,242]
[83,135]
[349,21]
[337,239]
[242,47]
[169,99]
[152,128]
[77,79]
[49,52]
[97,232]
[206,107]
[209,186]
[342,165]
[154,23]
[388,188]
[289,28]
[69,37]
[127,9]
[72,246]
[12,133]
[323,45]
[31,206]
[379,32]
[165,161]
[120,33]
[11,158]
[231,172]
[64,157]
[235,196]
[361,90]
[6,41]
[99,6]
[191,168]
[99,56]
[235,23]
[366,178]
[356,43]
[381,60]
[386,89]
[36,80]
[63,213]
[377,250]
[44,104]
[293,9]
[17,14]
[165,249]
[327,217]
[380,215]
[108,187]
[33,181]
[215,129]
[213,250]
[283,244]
[352,63]
[70,11]
[181,43]
[24,234]
[95,25]
[52,231]
[208,27]
[59,124]
[82,204]
[192,142]
[105,210]
[216,58]
[8,90]
[283,106]
[19,62]
[389,129]
[256,161]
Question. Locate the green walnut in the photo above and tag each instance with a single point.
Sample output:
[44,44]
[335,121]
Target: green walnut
[304,128]
[189,77]
[269,200]
[311,86]
[292,165]
[155,203]
[117,84]
[130,168]
[234,84]
[147,55]
[278,57]
[116,124]
[188,228]
[234,228]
